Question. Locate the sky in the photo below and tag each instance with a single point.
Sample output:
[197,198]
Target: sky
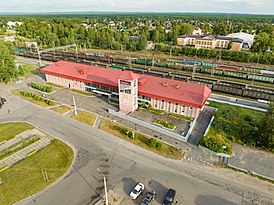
[220,6]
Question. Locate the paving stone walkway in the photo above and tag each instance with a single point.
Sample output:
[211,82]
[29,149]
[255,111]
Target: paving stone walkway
[20,155]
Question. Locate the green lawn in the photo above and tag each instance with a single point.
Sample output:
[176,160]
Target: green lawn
[165,124]
[10,130]
[54,85]
[62,109]
[81,92]
[85,117]
[142,140]
[25,178]
[232,124]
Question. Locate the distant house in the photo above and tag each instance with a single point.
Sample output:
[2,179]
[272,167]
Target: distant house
[248,39]
[9,38]
[111,24]
[150,45]
[135,38]
[198,32]
[210,41]
[13,24]
[31,44]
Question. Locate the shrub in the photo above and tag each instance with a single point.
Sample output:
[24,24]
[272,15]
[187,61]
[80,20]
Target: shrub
[159,145]
[143,106]
[51,103]
[47,89]
[133,136]
[152,142]
[124,131]
[216,142]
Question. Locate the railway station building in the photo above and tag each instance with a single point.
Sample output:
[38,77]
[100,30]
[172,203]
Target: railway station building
[130,89]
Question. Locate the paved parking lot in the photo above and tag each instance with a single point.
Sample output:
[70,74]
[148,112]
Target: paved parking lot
[147,116]
[127,184]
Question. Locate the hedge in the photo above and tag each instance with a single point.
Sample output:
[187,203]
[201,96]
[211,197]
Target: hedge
[43,88]
[38,98]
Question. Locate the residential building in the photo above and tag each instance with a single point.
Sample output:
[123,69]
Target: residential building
[210,41]
[8,38]
[248,39]
[13,24]
[130,89]
[198,32]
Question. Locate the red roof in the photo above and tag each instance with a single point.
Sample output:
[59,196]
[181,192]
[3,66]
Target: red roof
[170,90]
[128,75]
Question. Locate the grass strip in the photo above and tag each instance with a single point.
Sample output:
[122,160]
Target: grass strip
[54,85]
[62,109]
[165,124]
[81,92]
[85,117]
[18,146]
[142,140]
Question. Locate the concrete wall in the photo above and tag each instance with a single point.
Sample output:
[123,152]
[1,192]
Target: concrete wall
[69,83]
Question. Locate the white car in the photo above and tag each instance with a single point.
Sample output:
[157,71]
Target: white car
[137,190]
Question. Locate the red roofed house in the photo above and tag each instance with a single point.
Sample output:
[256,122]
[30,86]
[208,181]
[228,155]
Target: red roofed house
[131,89]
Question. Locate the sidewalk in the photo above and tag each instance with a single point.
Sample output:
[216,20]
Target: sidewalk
[22,154]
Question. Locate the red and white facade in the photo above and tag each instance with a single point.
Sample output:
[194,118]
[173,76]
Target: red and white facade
[131,89]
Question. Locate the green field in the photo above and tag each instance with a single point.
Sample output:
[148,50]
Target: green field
[232,124]
[10,130]
[25,178]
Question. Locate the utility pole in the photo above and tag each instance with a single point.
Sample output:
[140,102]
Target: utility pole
[105,185]
[106,192]
[74,103]
[39,56]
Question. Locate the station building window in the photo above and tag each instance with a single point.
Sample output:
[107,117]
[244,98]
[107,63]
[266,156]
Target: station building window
[155,103]
[162,104]
[176,108]
[183,109]
[168,106]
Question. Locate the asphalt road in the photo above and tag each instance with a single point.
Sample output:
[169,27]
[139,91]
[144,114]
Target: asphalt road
[126,164]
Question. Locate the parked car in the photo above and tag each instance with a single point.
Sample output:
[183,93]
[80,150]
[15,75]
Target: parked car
[137,190]
[149,197]
[3,100]
[169,198]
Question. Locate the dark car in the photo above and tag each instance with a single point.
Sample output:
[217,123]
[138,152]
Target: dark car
[149,197]
[3,101]
[170,195]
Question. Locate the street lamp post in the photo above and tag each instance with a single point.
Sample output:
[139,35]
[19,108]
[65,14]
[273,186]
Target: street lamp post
[75,109]
[105,185]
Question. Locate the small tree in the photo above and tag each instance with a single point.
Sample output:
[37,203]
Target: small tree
[266,131]
[152,142]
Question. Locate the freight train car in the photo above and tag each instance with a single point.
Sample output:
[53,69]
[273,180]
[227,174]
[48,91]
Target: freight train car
[228,87]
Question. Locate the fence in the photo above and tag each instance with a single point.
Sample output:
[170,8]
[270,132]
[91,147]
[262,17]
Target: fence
[150,126]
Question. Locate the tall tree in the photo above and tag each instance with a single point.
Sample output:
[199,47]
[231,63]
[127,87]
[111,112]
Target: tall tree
[186,29]
[262,42]
[266,136]
[8,71]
